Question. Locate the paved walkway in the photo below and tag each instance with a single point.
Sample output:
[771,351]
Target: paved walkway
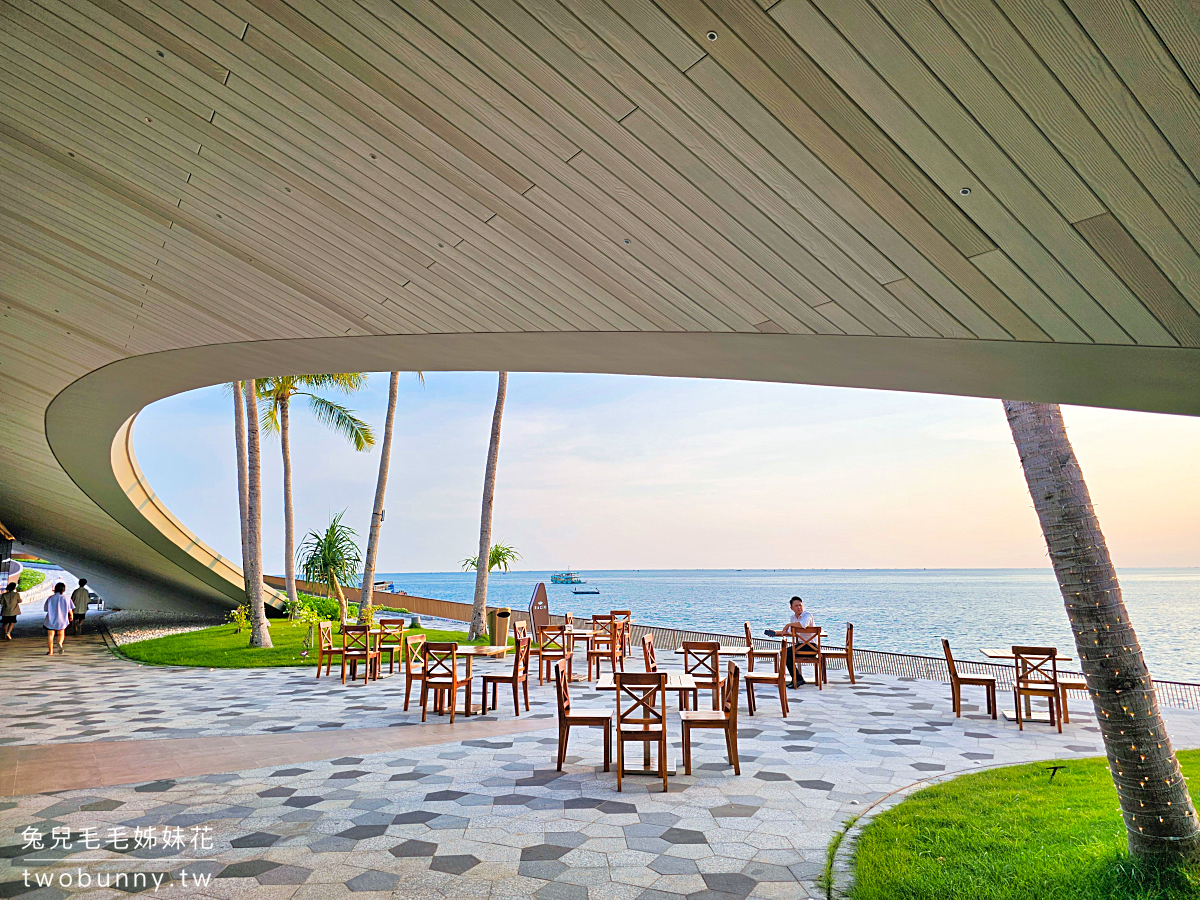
[295,815]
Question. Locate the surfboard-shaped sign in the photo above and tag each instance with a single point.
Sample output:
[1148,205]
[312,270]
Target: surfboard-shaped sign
[539,608]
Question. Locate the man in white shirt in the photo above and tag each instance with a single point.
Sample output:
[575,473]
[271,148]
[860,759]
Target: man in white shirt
[800,619]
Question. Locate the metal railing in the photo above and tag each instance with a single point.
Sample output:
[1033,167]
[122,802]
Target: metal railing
[1178,694]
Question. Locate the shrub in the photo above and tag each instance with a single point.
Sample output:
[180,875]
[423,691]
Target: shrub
[240,617]
[325,607]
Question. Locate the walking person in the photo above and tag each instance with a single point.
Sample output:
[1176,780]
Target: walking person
[800,619]
[80,598]
[10,608]
[58,617]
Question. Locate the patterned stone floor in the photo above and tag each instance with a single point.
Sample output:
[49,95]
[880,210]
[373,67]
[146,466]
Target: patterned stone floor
[485,818]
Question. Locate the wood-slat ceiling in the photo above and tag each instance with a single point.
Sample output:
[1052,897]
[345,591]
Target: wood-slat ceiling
[188,172]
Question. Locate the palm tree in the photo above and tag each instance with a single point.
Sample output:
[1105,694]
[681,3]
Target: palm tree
[331,557]
[277,392]
[260,634]
[1160,820]
[501,556]
[479,607]
[368,580]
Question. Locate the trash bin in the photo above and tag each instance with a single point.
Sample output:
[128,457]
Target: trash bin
[498,620]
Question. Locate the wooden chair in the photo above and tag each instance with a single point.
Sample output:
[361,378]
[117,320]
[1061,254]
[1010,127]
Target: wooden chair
[755,653]
[642,716]
[414,663]
[569,619]
[391,642]
[625,617]
[359,645]
[702,660]
[1063,687]
[326,649]
[1037,676]
[569,718]
[724,718]
[776,679]
[651,662]
[847,654]
[806,650]
[518,677]
[442,677]
[957,681]
[608,646]
[520,629]
[558,645]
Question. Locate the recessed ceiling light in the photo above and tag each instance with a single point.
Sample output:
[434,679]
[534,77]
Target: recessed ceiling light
[627,241]
[148,120]
[712,35]
[964,191]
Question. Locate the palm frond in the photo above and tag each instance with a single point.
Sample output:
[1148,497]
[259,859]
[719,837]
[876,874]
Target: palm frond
[470,564]
[342,420]
[346,382]
[268,417]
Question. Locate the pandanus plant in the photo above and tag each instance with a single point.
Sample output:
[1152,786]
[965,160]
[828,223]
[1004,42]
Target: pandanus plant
[332,558]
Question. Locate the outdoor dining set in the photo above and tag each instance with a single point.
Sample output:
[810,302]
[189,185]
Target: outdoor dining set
[568,652]
[564,651]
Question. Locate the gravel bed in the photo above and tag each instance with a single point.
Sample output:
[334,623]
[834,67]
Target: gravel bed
[128,626]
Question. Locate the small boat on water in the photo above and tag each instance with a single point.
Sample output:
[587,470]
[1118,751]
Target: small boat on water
[566,578]
[588,591]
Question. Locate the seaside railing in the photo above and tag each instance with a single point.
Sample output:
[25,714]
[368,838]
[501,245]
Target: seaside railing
[1179,694]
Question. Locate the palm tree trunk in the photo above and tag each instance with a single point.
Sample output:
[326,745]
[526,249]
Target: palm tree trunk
[337,589]
[289,528]
[260,635]
[479,607]
[368,582]
[1160,819]
[239,428]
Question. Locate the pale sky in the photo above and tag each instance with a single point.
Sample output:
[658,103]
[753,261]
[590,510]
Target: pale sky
[618,472]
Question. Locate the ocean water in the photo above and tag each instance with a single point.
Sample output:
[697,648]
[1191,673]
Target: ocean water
[902,610]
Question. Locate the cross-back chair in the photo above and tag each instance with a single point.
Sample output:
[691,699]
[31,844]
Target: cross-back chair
[326,649]
[724,717]
[443,678]
[651,662]
[558,645]
[625,617]
[755,653]
[846,653]
[806,651]
[776,680]
[414,663]
[391,641]
[608,645]
[702,660]
[1037,676]
[517,678]
[642,716]
[359,645]
[957,681]
[570,717]
[520,628]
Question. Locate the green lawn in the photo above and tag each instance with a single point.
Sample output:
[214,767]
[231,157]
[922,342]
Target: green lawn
[1012,834]
[221,648]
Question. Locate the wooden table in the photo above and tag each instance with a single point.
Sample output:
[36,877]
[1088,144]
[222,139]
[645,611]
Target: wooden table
[1010,714]
[675,681]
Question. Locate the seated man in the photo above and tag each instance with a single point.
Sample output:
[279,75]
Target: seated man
[800,619]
